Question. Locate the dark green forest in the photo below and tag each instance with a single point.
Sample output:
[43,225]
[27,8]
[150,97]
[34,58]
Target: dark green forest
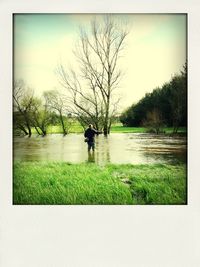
[165,106]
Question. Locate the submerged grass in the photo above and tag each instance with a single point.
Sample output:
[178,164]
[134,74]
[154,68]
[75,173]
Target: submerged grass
[87,183]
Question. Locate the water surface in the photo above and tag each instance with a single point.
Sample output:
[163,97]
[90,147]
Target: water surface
[117,148]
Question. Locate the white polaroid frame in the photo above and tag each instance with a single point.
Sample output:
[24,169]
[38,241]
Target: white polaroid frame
[99,236]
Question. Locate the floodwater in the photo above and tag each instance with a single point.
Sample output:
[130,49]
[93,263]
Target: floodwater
[116,148]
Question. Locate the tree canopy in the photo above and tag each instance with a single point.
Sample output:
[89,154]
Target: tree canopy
[170,101]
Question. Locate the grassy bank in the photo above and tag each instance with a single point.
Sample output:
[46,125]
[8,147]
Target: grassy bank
[88,183]
[117,128]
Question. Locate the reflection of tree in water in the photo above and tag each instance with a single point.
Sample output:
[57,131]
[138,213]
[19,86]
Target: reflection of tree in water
[62,149]
[91,156]
[116,148]
[170,157]
[101,155]
[165,149]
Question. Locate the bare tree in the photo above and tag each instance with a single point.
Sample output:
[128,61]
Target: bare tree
[57,102]
[19,123]
[154,121]
[98,52]
[22,100]
[41,116]
[85,104]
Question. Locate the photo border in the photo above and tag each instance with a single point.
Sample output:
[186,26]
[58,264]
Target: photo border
[13,63]
[141,236]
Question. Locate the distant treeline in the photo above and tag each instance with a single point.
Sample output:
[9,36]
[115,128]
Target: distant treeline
[165,106]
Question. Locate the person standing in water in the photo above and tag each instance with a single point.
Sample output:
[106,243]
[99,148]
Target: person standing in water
[90,137]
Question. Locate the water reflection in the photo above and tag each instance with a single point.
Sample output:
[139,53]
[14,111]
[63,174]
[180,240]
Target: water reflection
[117,148]
[91,156]
[102,149]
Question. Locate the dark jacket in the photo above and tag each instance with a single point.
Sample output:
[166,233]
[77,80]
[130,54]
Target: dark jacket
[90,134]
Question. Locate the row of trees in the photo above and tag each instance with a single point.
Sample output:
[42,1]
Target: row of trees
[89,88]
[165,106]
[38,113]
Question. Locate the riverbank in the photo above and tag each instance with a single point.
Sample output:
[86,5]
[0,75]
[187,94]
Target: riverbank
[118,128]
[52,183]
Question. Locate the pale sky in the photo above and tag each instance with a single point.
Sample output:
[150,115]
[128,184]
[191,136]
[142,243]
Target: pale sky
[155,49]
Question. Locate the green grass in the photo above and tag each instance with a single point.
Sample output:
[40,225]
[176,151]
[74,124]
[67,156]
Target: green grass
[119,128]
[55,129]
[75,128]
[122,129]
[154,184]
[88,183]
[169,130]
[116,128]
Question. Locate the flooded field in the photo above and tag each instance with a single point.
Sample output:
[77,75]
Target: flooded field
[116,148]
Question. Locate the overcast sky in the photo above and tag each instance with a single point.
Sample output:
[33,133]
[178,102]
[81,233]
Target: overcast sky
[155,49]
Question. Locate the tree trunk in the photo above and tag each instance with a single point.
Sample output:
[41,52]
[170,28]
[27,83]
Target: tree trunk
[37,130]
[29,131]
[27,121]
[43,129]
[44,132]
[23,129]
[175,130]
[105,130]
[63,125]
[106,121]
